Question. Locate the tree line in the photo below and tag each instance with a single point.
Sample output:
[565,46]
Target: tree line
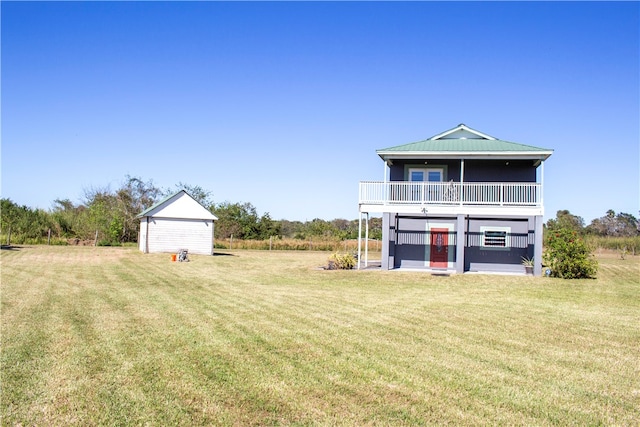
[612,224]
[109,217]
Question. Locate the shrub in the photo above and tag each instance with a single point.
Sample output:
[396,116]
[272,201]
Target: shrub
[341,261]
[568,256]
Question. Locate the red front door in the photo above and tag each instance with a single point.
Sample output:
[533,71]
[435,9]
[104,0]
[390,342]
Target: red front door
[439,248]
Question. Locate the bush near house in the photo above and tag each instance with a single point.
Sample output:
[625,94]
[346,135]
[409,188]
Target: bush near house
[339,261]
[568,256]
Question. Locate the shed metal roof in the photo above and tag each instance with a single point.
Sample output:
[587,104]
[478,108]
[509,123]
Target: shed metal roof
[205,214]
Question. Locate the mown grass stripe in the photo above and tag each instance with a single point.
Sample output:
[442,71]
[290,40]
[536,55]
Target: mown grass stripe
[257,338]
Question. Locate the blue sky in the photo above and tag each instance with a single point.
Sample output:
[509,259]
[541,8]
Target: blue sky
[284,104]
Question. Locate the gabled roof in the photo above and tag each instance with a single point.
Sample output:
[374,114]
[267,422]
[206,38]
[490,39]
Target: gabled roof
[464,142]
[186,208]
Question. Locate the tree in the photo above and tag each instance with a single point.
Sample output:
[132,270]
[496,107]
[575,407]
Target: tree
[614,225]
[565,219]
[321,228]
[237,219]
[291,229]
[23,222]
[268,227]
[133,197]
[202,196]
[9,213]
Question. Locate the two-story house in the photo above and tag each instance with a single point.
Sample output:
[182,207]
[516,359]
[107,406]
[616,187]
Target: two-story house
[460,201]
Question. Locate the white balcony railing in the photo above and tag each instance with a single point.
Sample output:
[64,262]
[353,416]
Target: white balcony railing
[450,193]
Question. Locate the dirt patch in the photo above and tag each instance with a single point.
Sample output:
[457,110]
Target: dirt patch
[80,242]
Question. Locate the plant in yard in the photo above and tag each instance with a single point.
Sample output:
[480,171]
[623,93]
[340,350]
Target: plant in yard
[341,261]
[623,252]
[528,264]
[568,256]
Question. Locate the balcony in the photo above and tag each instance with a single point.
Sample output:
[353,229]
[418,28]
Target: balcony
[451,197]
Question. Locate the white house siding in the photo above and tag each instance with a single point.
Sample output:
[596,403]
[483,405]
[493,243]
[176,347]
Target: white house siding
[170,235]
[412,246]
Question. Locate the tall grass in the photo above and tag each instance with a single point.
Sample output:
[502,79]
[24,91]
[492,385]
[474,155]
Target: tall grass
[285,244]
[110,336]
[630,244]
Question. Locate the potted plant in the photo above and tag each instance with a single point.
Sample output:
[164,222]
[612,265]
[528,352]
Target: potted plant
[528,265]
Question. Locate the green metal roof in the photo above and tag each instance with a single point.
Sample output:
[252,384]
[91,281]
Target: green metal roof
[461,142]
[462,145]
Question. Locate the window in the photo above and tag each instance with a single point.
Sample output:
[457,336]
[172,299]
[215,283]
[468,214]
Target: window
[416,175]
[434,175]
[425,174]
[495,237]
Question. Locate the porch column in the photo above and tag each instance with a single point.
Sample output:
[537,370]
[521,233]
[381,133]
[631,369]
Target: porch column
[359,237]
[384,265]
[460,242]
[366,242]
[537,246]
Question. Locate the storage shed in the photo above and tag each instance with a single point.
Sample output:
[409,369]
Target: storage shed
[177,222]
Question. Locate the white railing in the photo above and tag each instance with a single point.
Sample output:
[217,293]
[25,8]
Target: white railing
[450,193]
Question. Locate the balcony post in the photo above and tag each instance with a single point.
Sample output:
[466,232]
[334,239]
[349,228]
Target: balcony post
[384,188]
[540,202]
[461,192]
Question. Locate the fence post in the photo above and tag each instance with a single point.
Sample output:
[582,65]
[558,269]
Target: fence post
[231,242]
[49,237]
[95,240]
[270,242]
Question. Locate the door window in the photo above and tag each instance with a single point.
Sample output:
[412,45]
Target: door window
[425,174]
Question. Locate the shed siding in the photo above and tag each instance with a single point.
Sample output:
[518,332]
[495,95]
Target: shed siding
[170,235]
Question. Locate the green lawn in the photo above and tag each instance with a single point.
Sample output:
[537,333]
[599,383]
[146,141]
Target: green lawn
[109,336]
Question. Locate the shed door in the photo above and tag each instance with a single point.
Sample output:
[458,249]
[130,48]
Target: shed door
[439,247]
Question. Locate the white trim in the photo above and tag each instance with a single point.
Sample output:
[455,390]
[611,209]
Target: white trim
[496,211]
[459,128]
[542,183]
[513,155]
[507,236]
